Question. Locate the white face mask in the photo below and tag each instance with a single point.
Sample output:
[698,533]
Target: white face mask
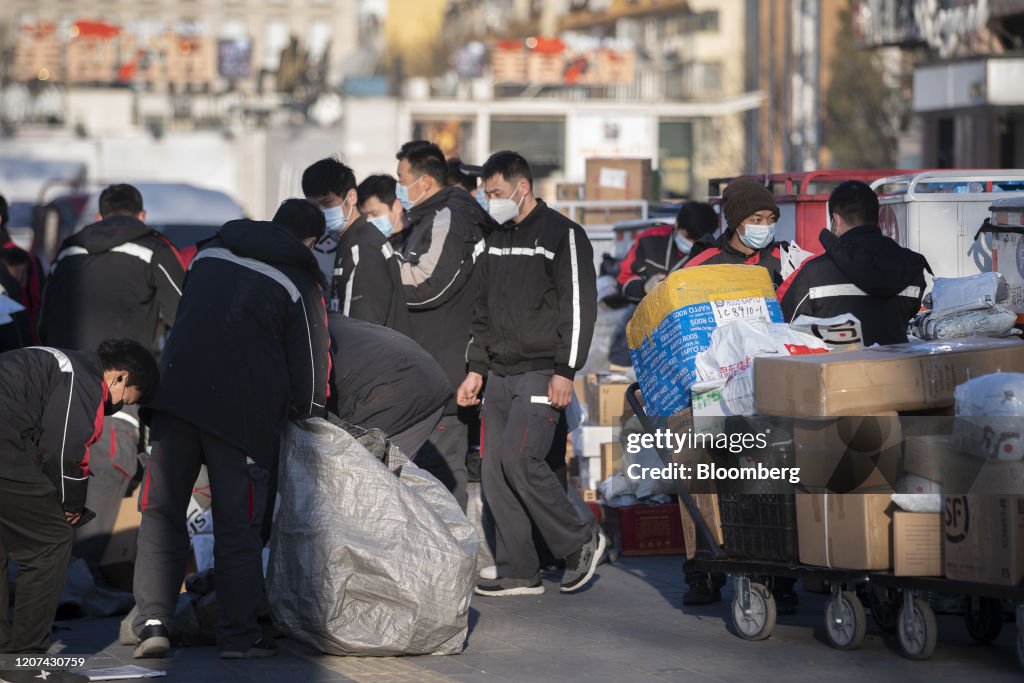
[682,244]
[504,210]
[382,223]
[758,236]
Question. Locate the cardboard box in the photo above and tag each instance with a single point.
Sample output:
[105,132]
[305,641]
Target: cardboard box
[588,495]
[984,538]
[589,472]
[899,377]
[858,526]
[620,178]
[588,440]
[117,564]
[917,544]
[707,503]
[935,458]
[611,459]
[646,529]
[839,453]
[605,399]
[569,192]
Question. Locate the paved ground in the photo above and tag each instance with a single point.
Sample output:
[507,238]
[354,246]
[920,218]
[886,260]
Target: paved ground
[629,626]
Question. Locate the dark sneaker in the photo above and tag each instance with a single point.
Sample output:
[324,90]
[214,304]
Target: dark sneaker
[579,567]
[510,587]
[702,594]
[786,603]
[264,647]
[154,641]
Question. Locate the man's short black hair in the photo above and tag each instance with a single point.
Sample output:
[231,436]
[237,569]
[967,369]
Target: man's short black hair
[416,145]
[855,202]
[121,200]
[328,175]
[509,165]
[697,219]
[457,177]
[429,161]
[380,186]
[118,353]
[301,218]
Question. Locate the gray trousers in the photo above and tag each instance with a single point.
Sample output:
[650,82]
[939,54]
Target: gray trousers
[411,439]
[518,484]
[444,456]
[239,497]
[36,536]
[113,460]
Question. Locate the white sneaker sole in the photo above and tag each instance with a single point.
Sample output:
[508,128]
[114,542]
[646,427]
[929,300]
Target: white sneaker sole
[602,543]
[153,648]
[509,592]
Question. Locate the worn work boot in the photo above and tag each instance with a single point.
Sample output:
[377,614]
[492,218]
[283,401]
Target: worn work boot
[509,587]
[264,647]
[580,566]
[154,641]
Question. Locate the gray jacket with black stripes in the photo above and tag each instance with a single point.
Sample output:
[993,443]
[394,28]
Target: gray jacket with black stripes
[115,278]
[538,303]
[250,347]
[438,267]
[51,411]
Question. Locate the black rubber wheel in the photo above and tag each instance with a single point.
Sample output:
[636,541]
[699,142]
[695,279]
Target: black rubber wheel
[845,623]
[885,606]
[986,623]
[918,639]
[759,623]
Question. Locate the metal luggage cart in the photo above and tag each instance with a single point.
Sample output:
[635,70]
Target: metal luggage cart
[898,604]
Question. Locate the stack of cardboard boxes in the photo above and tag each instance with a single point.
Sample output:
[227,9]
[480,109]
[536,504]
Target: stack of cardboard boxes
[975,538]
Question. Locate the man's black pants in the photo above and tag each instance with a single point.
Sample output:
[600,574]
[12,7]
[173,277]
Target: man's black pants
[239,495]
[518,483]
[444,456]
[35,534]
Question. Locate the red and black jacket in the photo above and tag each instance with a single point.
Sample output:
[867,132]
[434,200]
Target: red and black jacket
[51,411]
[31,283]
[721,252]
[654,253]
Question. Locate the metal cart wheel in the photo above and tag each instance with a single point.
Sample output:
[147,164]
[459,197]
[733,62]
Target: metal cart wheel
[753,610]
[917,630]
[984,619]
[845,622]
[884,603]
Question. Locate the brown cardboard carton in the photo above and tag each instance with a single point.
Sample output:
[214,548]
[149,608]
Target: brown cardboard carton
[984,538]
[611,459]
[899,377]
[844,531]
[935,459]
[827,451]
[707,503]
[604,401]
[917,544]
[620,178]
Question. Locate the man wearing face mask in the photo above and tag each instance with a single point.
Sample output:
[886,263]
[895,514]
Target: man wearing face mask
[861,272]
[438,258]
[532,328]
[663,249]
[250,350]
[750,214]
[52,403]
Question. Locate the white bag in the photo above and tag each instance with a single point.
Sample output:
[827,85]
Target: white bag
[841,331]
[735,345]
[792,258]
[990,416]
[955,294]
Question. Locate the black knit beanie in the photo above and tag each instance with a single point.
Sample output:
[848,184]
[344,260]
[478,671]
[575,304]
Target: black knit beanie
[743,198]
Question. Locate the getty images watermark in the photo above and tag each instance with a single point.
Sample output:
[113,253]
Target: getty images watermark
[664,440]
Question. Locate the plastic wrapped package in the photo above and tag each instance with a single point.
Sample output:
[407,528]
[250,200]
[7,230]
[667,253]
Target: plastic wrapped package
[990,416]
[735,346]
[957,294]
[368,557]
[996,321]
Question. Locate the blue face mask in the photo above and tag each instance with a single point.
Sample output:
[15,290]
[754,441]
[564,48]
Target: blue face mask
[402,193]
[382,223]
[758,236]
[481,199]
[682,244]
[335,218]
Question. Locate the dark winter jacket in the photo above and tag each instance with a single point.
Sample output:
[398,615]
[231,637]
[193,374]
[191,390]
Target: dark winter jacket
[707,253]
[865,274]
[538,300]
[250,345]
[438,267]
[51,411]
[32,282]
[115,278]
[16,332]
[654,253]
[381,378]
[367,283]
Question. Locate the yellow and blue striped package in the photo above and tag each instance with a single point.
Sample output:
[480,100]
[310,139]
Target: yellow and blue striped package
[674,323]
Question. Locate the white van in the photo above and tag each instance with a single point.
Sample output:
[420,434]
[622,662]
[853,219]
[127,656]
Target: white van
[938,213]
